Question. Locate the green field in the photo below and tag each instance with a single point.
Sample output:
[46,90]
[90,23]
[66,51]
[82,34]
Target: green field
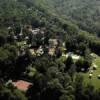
[94,80]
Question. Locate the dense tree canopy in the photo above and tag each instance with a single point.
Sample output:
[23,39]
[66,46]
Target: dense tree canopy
[26,28]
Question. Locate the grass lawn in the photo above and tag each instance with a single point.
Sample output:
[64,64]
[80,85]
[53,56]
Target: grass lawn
[94,80]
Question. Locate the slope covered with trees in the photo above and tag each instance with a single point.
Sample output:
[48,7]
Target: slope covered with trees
[85,13]
[41,46]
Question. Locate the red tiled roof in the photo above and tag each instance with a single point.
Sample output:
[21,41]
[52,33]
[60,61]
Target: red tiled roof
[22,85]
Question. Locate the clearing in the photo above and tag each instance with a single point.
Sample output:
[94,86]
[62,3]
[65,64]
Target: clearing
[94,79]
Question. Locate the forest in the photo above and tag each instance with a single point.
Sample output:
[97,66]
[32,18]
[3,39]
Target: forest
[49,49]
[84,13]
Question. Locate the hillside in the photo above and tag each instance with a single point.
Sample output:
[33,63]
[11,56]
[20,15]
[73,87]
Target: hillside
[84,13]
[53,16]
[48,51]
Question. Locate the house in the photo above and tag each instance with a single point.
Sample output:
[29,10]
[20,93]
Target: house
[22,85]
[32,51]
[98,76]
[26,38]
[15,37]
[9,28]
[82,69]
[40,51]
[20,34]
[63,44]
[53,42]
[35,31]
[94,56]
[74,56]
[51,51]
[91,71]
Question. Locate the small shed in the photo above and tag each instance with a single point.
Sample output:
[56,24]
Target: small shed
[90,75]
[95,66]
[98,76]
[91,71]
[82,69]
